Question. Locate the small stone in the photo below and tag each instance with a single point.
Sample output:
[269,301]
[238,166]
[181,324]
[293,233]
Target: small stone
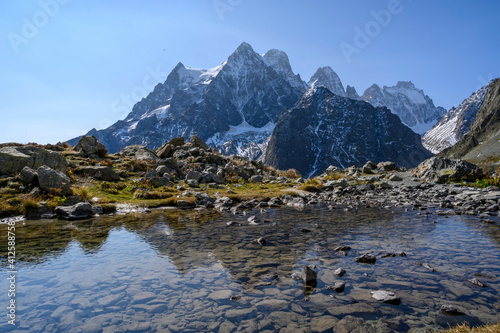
[451,310]
[308,274]
[342,248]
[339,272]
[386,297]
[261,241]
[477,283]
[337,286]
[366,258]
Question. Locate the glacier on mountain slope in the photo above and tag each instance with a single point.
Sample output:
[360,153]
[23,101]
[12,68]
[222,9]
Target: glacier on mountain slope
[415,109]
[455,123]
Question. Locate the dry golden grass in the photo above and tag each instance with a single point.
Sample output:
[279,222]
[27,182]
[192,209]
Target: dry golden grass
[464,328]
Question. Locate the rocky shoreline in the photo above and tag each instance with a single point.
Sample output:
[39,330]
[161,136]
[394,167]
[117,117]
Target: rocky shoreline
[84,181]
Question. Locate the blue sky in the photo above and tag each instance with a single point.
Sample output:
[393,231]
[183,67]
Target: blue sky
[68,66]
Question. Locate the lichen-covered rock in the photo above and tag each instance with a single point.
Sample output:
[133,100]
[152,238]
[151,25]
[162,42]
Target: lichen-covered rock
[53,181]
[14,158]
[438,169]
[89,146]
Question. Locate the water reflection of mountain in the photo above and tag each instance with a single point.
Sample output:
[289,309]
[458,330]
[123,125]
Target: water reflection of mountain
[191,240]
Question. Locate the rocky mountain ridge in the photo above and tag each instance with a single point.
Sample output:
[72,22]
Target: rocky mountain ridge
[481,143]
[455,123]
[326,129]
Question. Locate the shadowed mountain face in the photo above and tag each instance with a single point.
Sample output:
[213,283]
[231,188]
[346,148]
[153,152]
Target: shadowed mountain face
[326,129]
[243,95]
[481,143]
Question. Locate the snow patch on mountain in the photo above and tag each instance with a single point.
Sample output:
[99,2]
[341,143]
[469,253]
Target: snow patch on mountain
[455,123]
[414,108]
[326,77]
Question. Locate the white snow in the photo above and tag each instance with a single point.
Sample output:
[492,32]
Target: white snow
[414,95]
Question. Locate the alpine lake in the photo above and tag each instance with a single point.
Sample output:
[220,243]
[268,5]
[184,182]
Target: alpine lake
[171,270]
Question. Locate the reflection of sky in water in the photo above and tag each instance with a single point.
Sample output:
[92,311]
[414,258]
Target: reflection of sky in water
[163,269]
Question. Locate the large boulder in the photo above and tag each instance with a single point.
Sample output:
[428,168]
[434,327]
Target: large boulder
[89,146]
[81,210]
[166,150]
[28,176]
[438,169]
[14,158]
[139,152]
[197,142]
[99,172]
[53,181]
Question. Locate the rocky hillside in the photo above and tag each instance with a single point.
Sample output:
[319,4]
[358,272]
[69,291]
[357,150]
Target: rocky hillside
[326,129]
[455,123]
[481,143]
[233,106]
[412,105]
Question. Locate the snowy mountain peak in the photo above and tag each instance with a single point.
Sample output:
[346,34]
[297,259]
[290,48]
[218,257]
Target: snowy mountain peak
[243,48]
[279,61]
[415,109]
[455,123]
[326,77]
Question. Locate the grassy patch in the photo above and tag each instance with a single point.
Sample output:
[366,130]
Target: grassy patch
[29,205]
[251,191]
[487,181]
[312,185]
[464,328]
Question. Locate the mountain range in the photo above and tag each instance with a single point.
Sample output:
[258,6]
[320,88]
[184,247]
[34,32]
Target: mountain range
[235,107]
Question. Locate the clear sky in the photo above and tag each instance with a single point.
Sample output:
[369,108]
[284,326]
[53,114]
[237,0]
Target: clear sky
[68,66]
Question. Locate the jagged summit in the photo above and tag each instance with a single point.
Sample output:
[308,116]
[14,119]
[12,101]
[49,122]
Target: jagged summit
[326,77]
[233,106]
[411,104]
[351,92]
[326,129]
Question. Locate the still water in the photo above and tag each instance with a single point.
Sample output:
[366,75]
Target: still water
[178,271]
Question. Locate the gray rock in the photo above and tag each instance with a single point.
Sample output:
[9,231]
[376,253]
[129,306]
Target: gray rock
[81,210]
[166,150]
[28,176]
[339,272]
[162,169]
[151,173]
[451,310]
[192,183]
[14,158]
[139,152]
[477,283]
[194,175]
[257,179]
[99,172]
[183,204]
[366,258]
[331,170]
[440,170]
[89,146]
[308,274]
[386,297]
[159,182]
[53,181]
[261,241]
[395,178]
[197,142]
[177,142]
[337,286]
[387,166]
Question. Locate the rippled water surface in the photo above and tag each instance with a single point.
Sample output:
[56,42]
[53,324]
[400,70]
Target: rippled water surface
[190,272]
